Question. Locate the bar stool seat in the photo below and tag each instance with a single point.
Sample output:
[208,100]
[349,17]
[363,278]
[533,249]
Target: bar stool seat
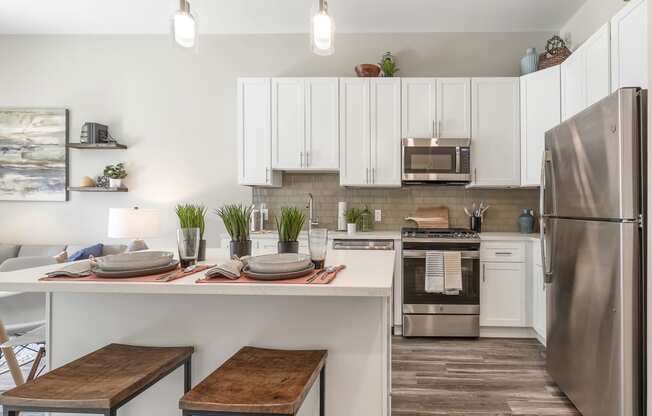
[258,381]
[99,382]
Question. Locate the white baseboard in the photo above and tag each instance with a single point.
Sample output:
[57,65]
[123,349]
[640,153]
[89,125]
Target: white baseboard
[504,332]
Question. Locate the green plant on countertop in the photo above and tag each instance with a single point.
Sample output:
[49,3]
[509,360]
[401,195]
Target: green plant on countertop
[388,65]
[115,171]
[352,215]
[290,224]
[366,219]
[236,220]
[192,216]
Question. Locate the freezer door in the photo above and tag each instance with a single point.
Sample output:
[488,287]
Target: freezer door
[593,165]
[593,314]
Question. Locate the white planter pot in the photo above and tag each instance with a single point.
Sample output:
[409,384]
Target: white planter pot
[351,228]
[115,183]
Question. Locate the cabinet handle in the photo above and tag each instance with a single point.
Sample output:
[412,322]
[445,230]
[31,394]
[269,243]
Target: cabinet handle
[301,159]
[307,159]
[484,276]
[475,173]
[434,129]
[373,175]
[367,176]
[503,253]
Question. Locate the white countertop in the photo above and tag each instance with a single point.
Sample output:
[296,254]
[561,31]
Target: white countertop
[508,237]
[367,274]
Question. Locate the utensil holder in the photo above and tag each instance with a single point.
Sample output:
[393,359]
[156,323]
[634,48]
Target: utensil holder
[476,224]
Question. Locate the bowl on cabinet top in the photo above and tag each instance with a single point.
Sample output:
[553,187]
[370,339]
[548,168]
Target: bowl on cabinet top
[135,260]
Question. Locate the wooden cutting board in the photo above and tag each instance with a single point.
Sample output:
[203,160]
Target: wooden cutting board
[431,217]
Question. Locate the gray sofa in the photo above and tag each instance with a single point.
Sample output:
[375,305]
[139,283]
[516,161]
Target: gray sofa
[18,257]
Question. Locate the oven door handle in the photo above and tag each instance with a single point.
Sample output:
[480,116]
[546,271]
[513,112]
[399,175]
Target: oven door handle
[421,254]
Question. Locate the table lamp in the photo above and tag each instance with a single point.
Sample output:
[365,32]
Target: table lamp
[134,223]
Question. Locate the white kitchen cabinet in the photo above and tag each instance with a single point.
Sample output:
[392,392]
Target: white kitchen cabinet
[322,124]
[502,295]
[453,108]
[495,132]
[540,111]
[305,124]
[370,131]
[418,108]
[436,107]
[586,74]
[255,134]
[385,132]
[629,51]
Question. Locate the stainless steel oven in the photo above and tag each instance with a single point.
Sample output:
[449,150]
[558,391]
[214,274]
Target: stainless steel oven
[436,314]
[436,160]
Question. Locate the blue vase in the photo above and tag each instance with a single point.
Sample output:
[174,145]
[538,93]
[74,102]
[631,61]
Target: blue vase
[529,62]
[526,222]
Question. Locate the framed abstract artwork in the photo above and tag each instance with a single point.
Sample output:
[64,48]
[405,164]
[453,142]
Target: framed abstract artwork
[33,154]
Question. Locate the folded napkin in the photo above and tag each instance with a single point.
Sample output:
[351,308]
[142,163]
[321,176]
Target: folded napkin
[79,269]
[452,272]
[230,269]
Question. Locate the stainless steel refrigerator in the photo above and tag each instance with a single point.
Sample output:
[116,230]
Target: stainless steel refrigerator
[592,228]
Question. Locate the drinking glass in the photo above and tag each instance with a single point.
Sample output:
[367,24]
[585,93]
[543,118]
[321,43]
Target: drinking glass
[318,244]
[188,242]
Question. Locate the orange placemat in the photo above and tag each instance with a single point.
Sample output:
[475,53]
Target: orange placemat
[153,278]
[305,280]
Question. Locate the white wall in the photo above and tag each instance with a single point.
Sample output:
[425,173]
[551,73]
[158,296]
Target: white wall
[588,19]
[177,112]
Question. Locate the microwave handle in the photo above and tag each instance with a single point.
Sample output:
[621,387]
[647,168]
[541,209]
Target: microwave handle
[458,166]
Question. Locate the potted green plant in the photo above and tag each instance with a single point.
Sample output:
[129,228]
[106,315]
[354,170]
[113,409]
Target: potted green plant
[388,65]
[352,216]
[115,173]
[237,219]
[194,216]
[289,227]
[366,219]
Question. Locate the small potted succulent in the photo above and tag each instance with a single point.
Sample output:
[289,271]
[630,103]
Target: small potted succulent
[352,216]
[115,173]
[194,216]
[237,219]
[289,226]
[388,65]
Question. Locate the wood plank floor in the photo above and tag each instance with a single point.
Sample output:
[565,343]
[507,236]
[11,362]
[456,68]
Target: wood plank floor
[473,377]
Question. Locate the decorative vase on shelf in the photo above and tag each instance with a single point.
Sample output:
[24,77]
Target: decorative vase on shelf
[526,221]
[351,228]
[115,183]
[529,62]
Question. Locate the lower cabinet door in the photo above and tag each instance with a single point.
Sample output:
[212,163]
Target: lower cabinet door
[502,295]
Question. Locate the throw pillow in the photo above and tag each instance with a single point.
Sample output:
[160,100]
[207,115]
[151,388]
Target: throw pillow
[85,253]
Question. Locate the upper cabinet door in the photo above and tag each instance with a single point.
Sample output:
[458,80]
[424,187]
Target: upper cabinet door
[573,85]
[385,132]
[629,52]
[354,132]
[496,143]
[419,100]
[254,133]
[598,66]
[322,124]
[453,108]
[540,111]
[288,123]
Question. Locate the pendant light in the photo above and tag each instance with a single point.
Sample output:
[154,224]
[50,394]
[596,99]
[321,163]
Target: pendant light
[184,26]
[322,31]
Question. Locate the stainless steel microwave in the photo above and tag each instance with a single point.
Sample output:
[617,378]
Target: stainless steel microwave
[436,160]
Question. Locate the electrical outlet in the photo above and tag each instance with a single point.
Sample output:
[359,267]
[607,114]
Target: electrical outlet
[378,215]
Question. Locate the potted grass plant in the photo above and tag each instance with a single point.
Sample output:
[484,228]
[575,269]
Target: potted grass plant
[115,173]
[194,216]
[237,219]
[289,226]
[352,216]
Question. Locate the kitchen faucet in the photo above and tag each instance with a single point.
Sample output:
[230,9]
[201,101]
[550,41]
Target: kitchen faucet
[311,217]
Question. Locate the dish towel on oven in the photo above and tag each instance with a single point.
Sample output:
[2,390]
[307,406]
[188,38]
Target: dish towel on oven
[434,281]
[452,272]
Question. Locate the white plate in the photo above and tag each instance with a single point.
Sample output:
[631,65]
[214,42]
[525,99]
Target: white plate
[137,260]
[279,263]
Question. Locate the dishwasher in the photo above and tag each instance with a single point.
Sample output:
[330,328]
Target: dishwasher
[356,244]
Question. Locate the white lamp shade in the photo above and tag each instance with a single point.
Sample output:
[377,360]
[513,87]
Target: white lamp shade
[185,29]
[133,223]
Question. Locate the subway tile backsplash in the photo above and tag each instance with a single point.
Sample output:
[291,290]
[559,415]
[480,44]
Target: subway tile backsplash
[396,204]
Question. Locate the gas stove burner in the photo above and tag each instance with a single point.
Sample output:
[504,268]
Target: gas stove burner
[434,233]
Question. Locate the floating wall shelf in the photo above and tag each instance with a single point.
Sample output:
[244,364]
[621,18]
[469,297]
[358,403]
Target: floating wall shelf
[96,189]
[97,146]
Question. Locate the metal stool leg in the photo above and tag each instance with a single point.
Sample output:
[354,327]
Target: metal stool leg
[187,375]
[322,392]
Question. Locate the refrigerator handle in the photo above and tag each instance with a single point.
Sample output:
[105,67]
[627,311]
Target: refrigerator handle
[547,271]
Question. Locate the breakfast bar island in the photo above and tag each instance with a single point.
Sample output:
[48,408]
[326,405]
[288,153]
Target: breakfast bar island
[350,317]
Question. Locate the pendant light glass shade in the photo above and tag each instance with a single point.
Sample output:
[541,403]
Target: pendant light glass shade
[322,33]
[184,26]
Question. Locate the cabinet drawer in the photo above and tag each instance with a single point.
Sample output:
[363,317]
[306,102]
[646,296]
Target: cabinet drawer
[502,251]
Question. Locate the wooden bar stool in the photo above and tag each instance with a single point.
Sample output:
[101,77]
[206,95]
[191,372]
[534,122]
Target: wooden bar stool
[258,381]
[100,382]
